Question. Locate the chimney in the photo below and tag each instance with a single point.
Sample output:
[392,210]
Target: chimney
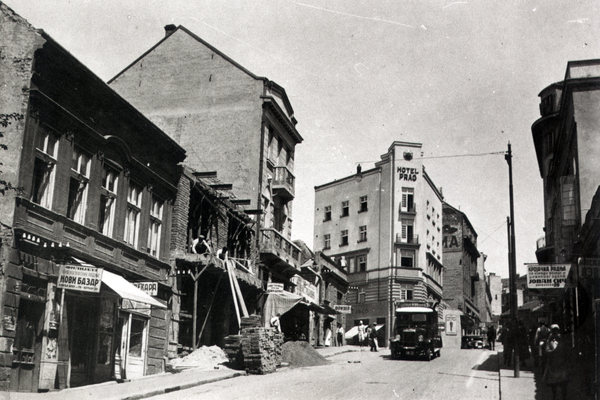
[169,29]
[358,169]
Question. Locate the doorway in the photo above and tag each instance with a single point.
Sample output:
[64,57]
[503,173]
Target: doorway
[133,338]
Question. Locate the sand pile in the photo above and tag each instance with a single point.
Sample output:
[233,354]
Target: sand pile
[301,354]
[206,356]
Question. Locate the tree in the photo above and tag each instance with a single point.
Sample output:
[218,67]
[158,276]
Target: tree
[5,121]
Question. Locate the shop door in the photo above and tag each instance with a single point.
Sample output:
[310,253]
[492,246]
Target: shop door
[27,346]
[133,344]
[83,315]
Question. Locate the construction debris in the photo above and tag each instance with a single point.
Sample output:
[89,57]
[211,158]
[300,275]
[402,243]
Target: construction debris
[205,357]
[301,354]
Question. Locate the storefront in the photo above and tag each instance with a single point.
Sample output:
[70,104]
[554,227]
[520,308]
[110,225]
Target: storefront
[84,325]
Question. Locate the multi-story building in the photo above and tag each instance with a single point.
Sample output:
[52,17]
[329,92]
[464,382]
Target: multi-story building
[461,257]
[92,214]
[567,144]
[385,225]
[483,294]
[230,121]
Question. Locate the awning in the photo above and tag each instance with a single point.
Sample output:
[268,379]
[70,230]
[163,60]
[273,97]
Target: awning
[127,291]
[352,332]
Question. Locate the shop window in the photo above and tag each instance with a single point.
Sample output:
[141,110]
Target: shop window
[326,241]
[327,216]
[362,233]
[363,204]
[78,186]
[44,169]
[344,237]
[155,228]
[345,208]
[108,199]
[134,205]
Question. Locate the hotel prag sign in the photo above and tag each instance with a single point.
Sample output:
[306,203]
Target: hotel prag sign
[79,277]
[408,174]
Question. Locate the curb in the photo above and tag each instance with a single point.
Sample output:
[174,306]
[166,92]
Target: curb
[184,386]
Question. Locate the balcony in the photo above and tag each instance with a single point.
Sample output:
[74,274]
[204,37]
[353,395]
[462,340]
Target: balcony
[410,240]
[410,209]
[544,251]
[283,183]
[279,253]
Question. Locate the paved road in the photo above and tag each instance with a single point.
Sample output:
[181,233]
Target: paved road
[458,374]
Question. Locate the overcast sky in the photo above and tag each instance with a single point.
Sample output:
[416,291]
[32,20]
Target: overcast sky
[461,77]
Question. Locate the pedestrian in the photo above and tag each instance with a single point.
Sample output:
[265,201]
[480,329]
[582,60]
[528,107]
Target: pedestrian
[557,359]
[340,335]
[373,337]
[491,337]
[328,335]
[507,342]
[541,336]
[276,323]
[522,343]
[362,333]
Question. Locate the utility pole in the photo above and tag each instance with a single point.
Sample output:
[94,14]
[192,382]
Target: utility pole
[512,265]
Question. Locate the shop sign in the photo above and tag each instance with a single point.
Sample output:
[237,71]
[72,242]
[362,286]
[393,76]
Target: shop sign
[342,309]
[150,288]
[547,276]
[589,268]
[274,287]
[79,277]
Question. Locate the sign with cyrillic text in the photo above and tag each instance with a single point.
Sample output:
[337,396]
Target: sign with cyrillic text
[150,288]
[79,277]
[547,276]
[343,309]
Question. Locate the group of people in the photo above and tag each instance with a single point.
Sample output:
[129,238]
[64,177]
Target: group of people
[336,339]
[367,336]
[548,349]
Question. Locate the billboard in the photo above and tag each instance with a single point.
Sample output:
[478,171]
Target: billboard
[547,276]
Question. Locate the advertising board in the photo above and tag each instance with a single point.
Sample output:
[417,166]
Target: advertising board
[150,288]
[79,277]
[343,309]
[547,276]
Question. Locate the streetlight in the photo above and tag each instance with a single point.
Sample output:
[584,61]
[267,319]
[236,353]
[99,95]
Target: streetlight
[512,263]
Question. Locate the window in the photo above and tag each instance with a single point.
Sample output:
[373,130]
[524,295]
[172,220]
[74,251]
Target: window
[155,228]
[407,231]
[361,298]
[132,222]
[567,192]
[44,169]
[78,186]
[406,292]
[108,199]
[361,263]
[362,232]
[351,265]
[363,204]
[407,200]
[327,241]
[327,214]
[345,208]
[407,258]
[344,238]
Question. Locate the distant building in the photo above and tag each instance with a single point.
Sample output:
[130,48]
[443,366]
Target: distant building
[461,257]
[495,283]
[385,224]
[483,294]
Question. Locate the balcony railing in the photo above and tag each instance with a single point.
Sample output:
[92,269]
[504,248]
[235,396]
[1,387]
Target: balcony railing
[414,239]
[283,183]
[274,244]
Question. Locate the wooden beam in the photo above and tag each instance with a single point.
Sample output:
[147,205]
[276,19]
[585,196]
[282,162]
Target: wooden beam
[241,202]
[257,211]
[221,186]
[205,174]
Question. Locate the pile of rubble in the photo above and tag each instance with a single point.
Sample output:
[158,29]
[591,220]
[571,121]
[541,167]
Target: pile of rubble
[255,349]
[206,357]
[301,354]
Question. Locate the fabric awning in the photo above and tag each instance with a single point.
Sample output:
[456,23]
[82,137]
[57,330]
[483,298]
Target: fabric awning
[127,291]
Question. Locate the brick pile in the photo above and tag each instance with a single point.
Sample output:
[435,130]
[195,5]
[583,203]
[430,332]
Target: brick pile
[255,349]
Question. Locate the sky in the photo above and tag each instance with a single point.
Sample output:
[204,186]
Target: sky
[460,77]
